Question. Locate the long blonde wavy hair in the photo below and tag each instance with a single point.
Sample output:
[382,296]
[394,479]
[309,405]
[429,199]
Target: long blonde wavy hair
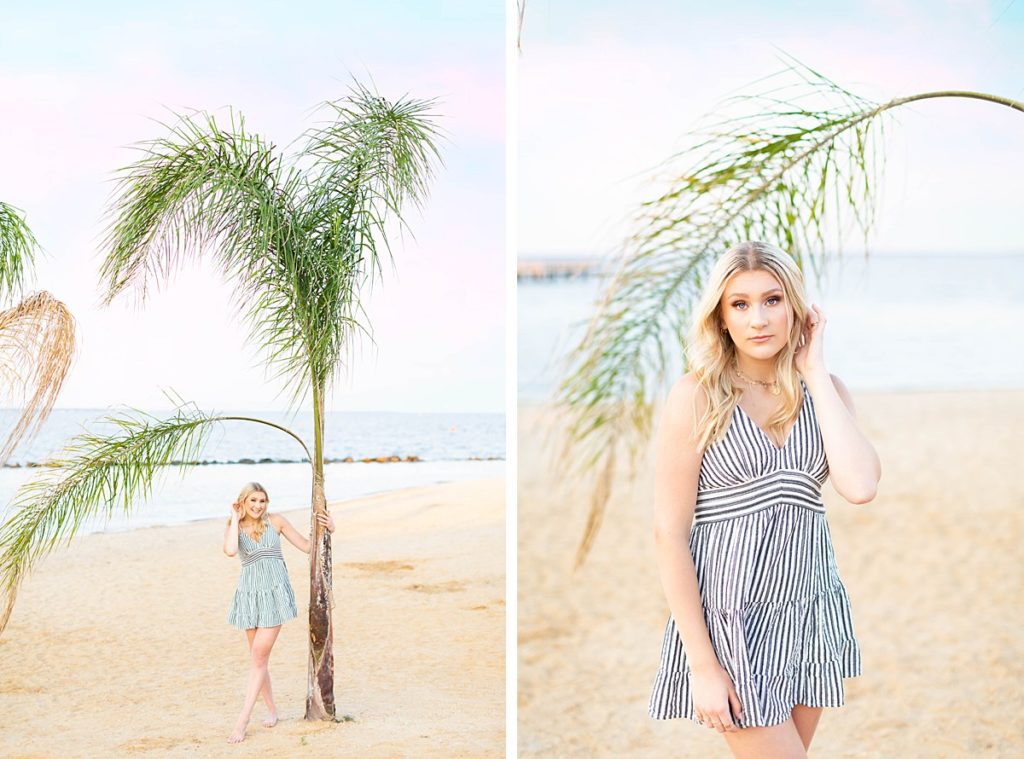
[710,351]
[258,525]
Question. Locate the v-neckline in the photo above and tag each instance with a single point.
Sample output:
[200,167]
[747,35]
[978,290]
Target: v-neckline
[251,538]
[792,427]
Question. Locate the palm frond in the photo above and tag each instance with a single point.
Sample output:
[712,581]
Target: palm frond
[205,189]
[37,345]
[17,251]
[376,150]
[98,474]
[796,166]
[372,158]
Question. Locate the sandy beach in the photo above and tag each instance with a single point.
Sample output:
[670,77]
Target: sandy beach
[934,567]
[118,644]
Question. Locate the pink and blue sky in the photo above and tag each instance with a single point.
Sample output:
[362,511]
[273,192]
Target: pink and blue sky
[81,82]
[609,90]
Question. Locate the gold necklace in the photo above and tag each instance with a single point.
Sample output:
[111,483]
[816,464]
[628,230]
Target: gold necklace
[772,386]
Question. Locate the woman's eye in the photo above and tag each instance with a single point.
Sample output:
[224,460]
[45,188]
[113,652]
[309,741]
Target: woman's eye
[774,299]
[738,304]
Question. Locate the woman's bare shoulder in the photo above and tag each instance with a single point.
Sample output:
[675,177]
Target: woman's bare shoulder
[687,396]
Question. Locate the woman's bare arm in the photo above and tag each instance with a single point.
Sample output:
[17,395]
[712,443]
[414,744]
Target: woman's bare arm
[231,533]
[677,469]
[285,528]
[853,464]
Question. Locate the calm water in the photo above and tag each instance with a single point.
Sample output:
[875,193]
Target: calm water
[922,322]
[432,437]
[451,447]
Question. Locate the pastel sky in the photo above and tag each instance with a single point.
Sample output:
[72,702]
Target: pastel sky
[607,91]
[81,82]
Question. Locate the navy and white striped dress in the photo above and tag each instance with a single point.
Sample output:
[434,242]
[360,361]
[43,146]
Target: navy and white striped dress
[264,596]
[777,613]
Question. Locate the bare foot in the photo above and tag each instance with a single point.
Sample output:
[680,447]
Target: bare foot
[238,735]
[271,719]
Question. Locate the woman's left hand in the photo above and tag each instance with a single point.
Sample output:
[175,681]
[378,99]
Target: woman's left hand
[810,357]
[326,520]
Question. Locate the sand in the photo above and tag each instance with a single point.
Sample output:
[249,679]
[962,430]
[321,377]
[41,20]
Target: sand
[934,567]
[118,644]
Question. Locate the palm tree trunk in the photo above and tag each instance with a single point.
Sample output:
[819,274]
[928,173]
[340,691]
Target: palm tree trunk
[320,691]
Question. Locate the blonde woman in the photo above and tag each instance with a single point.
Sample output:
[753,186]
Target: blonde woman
[760,634]
[264,599]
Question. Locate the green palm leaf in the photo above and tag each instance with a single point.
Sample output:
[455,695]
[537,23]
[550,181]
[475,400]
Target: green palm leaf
[205,189]
[97,475]
[17,250]
[365,164]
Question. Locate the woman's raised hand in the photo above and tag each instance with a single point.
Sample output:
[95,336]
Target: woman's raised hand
[713,695]
[236,511]
[810,357]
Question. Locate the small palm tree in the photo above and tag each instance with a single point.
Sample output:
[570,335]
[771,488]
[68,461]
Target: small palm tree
[298,238]
[37,335]
[795,164]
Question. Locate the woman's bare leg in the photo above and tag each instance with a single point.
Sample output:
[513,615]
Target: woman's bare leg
[806,720]
[262,643]
[775,742]
[266,694]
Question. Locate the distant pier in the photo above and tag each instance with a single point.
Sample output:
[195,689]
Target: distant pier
[557,268]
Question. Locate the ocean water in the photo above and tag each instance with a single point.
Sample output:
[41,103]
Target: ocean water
[449,446]
[430,436]
[895,323]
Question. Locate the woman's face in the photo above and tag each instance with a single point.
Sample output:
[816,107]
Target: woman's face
[255,504]
[756,313]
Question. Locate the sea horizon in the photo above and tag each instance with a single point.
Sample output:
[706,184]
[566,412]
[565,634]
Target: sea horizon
[894,323]
[366,453]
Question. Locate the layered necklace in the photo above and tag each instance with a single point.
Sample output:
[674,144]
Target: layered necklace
[772,387]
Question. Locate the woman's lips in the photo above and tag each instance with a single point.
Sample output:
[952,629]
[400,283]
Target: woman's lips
[761,338]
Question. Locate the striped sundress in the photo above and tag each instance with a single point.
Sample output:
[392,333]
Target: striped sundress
[777,613]
[264,597]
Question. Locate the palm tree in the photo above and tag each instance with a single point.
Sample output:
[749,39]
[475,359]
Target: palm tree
[37,334]
[297,238]
[795,163]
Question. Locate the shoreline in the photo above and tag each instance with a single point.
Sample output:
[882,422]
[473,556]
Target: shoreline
[336,506]
[204,492]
